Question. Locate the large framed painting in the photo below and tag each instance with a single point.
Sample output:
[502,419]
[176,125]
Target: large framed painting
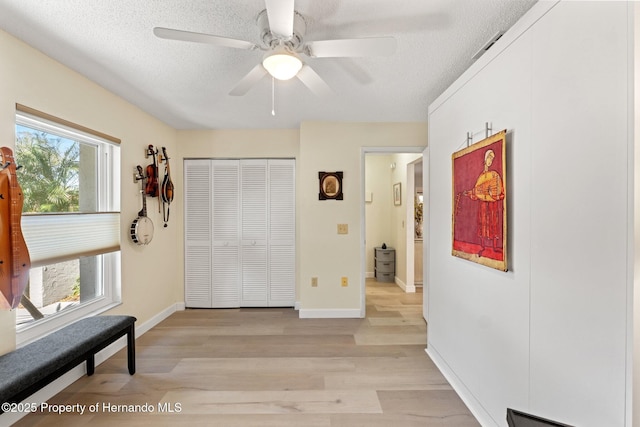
[479,215]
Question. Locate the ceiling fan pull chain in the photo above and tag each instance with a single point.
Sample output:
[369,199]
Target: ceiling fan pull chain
[273,96]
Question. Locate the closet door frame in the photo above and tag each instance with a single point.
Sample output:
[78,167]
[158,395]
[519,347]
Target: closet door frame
[227,260]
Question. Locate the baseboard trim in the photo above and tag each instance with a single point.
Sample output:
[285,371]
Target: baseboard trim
[336,313]
[370,274]
[404,287]
[476,408]
[47,392]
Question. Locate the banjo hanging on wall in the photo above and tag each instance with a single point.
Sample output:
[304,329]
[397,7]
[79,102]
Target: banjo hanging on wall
[142,227]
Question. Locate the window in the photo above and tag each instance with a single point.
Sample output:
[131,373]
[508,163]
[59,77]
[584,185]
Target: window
[70,178]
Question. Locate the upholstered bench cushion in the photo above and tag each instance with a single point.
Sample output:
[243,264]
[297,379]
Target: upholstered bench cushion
[26,366]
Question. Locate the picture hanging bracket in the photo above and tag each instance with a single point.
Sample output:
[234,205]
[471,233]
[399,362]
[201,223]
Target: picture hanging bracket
[487,129]
[487,133]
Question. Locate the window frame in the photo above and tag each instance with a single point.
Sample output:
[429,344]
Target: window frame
[108,200]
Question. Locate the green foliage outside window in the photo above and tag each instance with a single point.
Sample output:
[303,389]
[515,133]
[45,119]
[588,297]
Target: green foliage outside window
[49,173]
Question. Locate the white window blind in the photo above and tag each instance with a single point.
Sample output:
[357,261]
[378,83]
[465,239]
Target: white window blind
[53,238]
[63,236]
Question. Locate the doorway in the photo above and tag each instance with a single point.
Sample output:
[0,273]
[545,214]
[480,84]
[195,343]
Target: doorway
[389,190]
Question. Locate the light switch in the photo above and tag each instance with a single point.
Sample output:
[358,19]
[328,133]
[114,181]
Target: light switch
[343,228]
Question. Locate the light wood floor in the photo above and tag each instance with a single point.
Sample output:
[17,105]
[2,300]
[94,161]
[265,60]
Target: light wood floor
[267,367]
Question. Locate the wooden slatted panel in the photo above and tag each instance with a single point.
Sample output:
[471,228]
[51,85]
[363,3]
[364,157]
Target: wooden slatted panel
[197,253]
[197,188]
[226,277]
[225,280]
[282,233]
[282,276]
[197,276]
[254,276]
[226,197]
[282,214]
[254,201]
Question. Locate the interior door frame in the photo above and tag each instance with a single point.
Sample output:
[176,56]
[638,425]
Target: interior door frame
[363,226]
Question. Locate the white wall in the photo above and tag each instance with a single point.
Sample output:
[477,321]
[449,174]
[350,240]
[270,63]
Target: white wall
[30,78]
[550,335]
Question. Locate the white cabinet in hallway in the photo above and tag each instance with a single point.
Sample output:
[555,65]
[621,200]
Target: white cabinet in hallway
[239,233]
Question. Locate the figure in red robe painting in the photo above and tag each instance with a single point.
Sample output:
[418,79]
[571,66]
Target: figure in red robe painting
[488,191]
[479,215]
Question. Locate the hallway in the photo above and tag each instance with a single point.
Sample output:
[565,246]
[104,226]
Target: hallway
[267,367]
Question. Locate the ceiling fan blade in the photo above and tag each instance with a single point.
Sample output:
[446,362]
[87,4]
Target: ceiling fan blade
[280,14]
[247,82]
[188,36]
[348,48]
[314,82]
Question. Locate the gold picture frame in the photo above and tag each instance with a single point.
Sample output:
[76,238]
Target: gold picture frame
[479,199]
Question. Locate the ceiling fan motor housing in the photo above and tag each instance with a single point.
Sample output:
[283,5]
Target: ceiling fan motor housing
[271,40]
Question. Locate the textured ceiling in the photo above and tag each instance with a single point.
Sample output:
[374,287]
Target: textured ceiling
[187,85]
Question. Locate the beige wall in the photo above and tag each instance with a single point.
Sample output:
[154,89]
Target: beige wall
[149,280]
[322,252]
[378,211]
[399,213]
[317,146]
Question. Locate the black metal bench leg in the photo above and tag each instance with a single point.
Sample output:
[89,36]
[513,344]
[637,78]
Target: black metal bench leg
[91,364]
[131,350]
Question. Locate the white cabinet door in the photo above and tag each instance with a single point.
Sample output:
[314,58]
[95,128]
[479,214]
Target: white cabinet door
[253,178]
[239,233]
[282,232]
[197,248]
[225,191]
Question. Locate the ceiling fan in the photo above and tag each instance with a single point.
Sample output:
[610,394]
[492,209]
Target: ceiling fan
[282,31]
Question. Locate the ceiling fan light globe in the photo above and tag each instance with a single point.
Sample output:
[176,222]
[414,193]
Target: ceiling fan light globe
[282,66]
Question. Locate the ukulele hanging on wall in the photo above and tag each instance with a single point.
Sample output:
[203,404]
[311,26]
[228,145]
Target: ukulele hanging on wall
[14,254]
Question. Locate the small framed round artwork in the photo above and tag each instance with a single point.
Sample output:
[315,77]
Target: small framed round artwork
[330,186]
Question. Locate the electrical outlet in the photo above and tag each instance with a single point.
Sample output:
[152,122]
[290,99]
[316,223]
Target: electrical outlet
[345,281]
[314,282]
[343,228]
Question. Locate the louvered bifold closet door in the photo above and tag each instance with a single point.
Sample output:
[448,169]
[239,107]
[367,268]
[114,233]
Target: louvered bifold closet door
[253,178]
[226,233]
[282,232]
[197,236]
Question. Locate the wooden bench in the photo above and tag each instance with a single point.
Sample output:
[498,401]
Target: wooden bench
[29,368]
